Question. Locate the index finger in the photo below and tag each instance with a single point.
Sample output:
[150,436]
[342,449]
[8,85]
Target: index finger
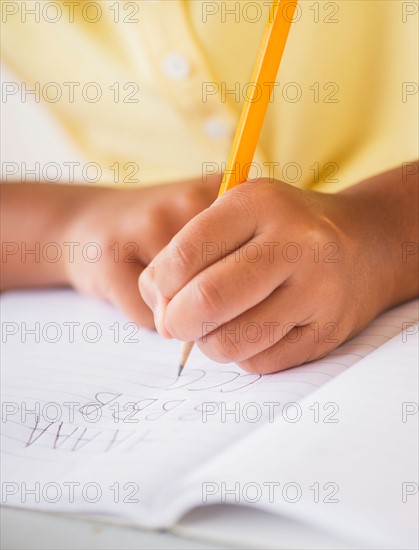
[217,231]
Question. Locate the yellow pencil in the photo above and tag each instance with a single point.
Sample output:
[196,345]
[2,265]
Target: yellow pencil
[254,110]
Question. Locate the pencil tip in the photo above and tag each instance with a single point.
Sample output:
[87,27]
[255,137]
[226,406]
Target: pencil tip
[186,350]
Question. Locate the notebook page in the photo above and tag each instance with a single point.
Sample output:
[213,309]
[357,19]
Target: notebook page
[89,398]
[355,478]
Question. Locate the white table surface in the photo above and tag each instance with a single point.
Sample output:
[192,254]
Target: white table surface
[27,529]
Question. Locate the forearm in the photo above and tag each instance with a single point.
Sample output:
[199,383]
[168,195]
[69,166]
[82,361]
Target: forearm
[34,219]
[387,210]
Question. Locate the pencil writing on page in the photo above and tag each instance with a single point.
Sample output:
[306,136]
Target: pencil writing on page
[254,110]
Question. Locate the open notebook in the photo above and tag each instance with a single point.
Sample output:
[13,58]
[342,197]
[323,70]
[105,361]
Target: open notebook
[95,421]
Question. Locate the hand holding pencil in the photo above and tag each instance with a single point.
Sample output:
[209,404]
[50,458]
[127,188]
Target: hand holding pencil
[272,276]
[254,110]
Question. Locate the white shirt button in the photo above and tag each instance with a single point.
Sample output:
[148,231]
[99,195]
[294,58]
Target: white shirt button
[216,128]
[176,66]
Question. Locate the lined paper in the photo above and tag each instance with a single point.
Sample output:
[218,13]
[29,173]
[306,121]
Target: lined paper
[89,396]
[361,470]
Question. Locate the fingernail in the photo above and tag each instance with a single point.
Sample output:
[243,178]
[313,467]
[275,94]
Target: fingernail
[155,301]
[148,288]
[160,316]
[159,311]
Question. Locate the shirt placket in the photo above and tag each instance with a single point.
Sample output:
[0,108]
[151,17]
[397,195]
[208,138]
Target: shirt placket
[183,75]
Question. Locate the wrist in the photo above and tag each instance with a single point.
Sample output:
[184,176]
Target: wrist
[79,230]
[381,219]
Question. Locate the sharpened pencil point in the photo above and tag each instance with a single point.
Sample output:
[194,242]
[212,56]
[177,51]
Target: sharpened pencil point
[186,350]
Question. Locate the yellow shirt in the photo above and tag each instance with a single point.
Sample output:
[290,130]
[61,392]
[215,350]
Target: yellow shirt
[154,89]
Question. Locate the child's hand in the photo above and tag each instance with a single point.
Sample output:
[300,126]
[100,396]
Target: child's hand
[127,228]
[272,276]
[97,240]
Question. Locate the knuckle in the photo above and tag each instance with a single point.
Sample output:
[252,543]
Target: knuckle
[318,231]
[312,234]
[313,351]
[178,255]
[243,199]
[207,298]
[254,365]
[224,348]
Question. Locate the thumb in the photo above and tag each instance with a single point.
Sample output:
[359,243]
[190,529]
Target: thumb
[121,289]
